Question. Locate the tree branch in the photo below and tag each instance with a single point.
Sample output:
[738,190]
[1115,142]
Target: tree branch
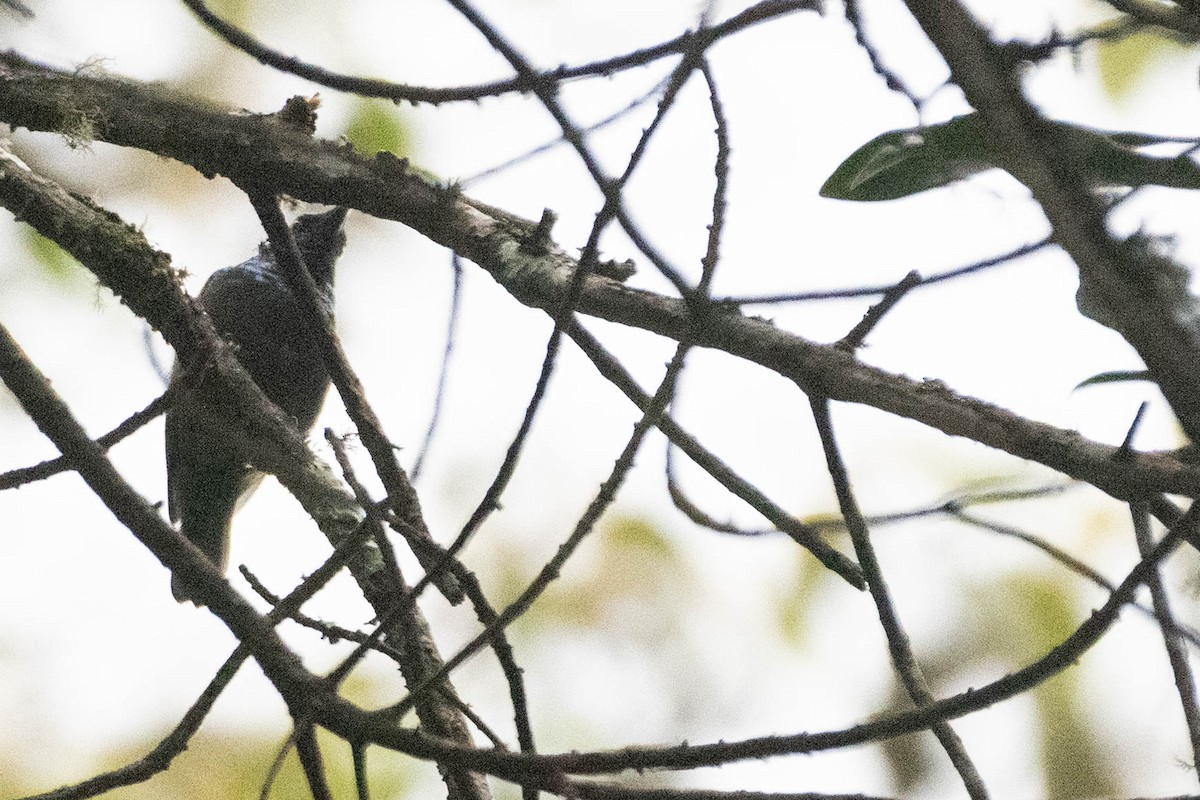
[246,147]
[1127,286]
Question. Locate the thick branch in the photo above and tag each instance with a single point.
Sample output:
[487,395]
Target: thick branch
[254,150]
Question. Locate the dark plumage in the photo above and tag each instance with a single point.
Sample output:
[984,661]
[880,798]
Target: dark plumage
[252,306]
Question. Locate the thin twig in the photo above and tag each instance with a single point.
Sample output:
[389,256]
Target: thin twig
[373,519]
[1177,655]
[160,757]
[328,630]
[533,152]
[444,371]
[869,291]
[802,533]
[552,569]
[890,77]
[573,135]
[1069,562]
[277,765]
[483,609]
[720,201]
[46,469]
[547,770]
[401,494]
[898,644]
[563,316]
[1125,451]
[875,314]
[524,82]
[692,511]
[1055,44]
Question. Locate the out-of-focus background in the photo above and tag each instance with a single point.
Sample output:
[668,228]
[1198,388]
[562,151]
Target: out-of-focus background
[658,631]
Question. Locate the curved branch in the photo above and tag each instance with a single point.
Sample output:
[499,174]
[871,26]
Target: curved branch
[547,771]
[530,82]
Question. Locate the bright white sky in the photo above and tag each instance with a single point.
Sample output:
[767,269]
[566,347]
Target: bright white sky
[94,651]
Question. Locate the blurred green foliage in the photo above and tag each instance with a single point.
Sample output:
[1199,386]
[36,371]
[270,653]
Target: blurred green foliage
[235,12]
[798,600]
[1074,763]
[1009,624]
[627,561]
[376,125]
[1122,64]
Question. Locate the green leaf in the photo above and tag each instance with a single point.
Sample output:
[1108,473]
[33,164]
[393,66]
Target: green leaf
[1077,765]
[905,162]
[1116,376]
[901,163]
[797,605]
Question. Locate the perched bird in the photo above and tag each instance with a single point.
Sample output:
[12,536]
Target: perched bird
[252,306]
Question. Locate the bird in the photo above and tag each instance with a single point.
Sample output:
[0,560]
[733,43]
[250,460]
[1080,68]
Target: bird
[253,307]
